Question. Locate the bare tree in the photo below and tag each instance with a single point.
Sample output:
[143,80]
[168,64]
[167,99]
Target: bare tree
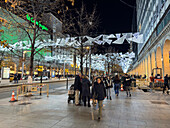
[79,23]
[32,11]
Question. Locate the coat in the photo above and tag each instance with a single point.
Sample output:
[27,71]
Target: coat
[116,81]
[77,83]
[127,81]
[85,87]
[109,84]
[166,80]
[99,91]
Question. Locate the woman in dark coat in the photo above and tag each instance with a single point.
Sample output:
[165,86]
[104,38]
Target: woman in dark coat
[100,94]
[86,90]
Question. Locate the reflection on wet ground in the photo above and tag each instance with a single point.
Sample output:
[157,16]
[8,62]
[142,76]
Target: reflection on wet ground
[142,110]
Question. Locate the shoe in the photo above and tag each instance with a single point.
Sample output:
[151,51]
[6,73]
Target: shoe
[110,98]
[98,118]
[107,97]
[130,95]
[77,104]
[89,105]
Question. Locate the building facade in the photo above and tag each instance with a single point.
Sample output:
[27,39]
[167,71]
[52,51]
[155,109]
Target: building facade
[153,21]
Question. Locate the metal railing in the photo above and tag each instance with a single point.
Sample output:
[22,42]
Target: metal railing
[32,89]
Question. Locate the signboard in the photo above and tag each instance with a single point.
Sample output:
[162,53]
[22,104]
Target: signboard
[34,89]
[66,70]
[40,68]
[31,19]
[6,72]
[53,74]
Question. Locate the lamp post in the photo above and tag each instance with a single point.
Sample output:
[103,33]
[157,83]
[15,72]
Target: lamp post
[90,64]
[23,59]
[64,69]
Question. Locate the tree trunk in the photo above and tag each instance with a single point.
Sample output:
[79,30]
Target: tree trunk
[81,56]
[74,64]
[86,65]
[81,63]
[108,68]
[32,51]
[31,63]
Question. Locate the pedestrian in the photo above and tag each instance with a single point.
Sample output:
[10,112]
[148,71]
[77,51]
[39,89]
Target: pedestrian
[166,78]
[127,84]
[103,80]
[93,96]
[77,88]
[109,86]
[116,85]
[100,94]
[86,90]
[16,78]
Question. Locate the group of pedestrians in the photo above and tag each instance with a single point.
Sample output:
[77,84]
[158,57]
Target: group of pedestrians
[98,89]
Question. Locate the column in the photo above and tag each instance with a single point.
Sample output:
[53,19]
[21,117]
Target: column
[162,59]
[151,62]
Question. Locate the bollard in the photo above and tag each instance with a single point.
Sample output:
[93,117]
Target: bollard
[40,86]
[67,82]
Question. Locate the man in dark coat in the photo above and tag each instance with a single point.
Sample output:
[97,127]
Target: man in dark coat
[77,88]
[127,83]
[166,83]
[86,90]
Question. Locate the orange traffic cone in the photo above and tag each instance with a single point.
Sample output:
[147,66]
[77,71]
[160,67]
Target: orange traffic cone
[13,97]
[121,88]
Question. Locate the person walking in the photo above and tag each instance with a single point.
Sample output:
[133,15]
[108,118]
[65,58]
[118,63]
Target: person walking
[116,85]
[86,90]
[109,86]
[16,78]
[77,88]
[100,94]
[166,84]
[127,83]
[93,96]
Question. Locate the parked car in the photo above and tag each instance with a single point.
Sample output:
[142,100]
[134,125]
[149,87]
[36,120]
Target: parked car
[39,78]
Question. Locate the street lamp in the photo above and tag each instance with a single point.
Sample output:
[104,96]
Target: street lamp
[23,59]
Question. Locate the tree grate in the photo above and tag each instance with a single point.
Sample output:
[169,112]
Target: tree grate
[24,103]
[159,102]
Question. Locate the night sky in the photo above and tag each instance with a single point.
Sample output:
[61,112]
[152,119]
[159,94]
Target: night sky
[115,16]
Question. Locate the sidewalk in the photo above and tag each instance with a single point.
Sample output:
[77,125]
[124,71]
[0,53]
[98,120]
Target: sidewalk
[139,111]
[6,83]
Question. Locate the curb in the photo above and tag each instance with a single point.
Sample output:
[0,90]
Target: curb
[15,85]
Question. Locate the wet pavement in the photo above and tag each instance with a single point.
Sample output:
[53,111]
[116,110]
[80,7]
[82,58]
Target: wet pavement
[142,110]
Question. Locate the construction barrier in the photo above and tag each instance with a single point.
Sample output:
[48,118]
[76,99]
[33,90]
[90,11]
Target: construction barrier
[32,89]
[142,82]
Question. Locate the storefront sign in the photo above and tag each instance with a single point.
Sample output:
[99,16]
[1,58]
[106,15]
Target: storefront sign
[40,68]
[53,74]
[66,70]
[37,22]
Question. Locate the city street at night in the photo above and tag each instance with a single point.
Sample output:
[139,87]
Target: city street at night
[84,63]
